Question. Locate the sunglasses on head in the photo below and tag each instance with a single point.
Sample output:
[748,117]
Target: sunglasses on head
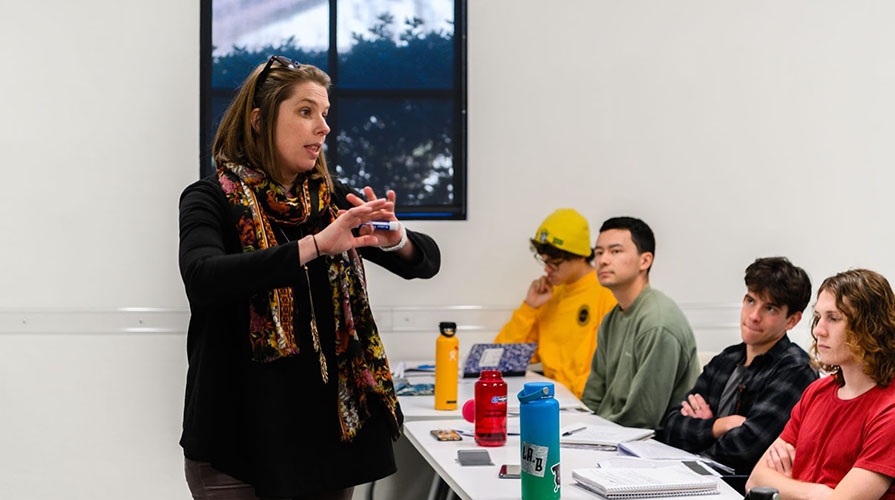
[283,61]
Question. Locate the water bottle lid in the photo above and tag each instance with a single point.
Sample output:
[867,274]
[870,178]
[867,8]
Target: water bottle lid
[448,328]
[535,390]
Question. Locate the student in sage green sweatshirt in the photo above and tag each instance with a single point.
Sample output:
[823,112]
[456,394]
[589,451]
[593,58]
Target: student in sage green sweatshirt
[645,361]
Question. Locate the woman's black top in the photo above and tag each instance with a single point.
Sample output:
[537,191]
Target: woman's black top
[273,425]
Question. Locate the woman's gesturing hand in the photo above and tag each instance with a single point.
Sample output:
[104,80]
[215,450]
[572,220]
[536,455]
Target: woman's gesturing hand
[383,237]
[338,237]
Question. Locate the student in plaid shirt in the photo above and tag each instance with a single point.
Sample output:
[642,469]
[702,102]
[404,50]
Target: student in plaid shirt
[743,397]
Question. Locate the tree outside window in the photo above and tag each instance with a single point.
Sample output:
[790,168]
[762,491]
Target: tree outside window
[398,113]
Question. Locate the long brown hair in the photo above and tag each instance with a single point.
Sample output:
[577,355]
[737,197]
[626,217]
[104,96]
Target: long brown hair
[866,300]
[239,142]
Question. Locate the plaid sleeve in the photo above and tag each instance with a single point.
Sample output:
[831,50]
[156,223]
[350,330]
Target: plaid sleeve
[775,391]
[695,434]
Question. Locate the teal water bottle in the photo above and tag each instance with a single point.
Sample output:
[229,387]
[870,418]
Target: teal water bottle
[539,435]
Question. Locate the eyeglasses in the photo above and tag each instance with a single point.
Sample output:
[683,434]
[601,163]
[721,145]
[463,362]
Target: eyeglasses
[554,263]
[282,61]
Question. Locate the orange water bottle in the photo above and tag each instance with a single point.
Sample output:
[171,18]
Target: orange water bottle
[447,366]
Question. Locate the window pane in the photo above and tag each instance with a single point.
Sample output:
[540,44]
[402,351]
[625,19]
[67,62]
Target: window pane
[398,94]
[245,34]
[265,27]
[230,70]
[401,144]
[396,44]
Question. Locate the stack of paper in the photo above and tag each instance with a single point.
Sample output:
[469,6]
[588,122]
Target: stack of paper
[655,450]
[670,481]
[600,436]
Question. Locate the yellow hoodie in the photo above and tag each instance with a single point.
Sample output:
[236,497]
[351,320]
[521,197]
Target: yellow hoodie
[565,329]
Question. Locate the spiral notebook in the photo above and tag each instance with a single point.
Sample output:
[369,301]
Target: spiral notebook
[670,481]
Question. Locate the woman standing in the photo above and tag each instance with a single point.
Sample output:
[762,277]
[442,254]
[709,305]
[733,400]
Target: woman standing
[288,392]
[838,441]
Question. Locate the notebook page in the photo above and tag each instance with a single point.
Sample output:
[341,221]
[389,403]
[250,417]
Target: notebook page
[665,480]
[600,435]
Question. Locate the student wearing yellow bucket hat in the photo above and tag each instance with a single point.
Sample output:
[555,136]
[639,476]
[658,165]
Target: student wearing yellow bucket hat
[563,307]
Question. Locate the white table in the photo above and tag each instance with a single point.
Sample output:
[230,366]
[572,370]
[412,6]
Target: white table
[417,408]
[482,482]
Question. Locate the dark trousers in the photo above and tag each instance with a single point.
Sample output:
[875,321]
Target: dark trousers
[206,483]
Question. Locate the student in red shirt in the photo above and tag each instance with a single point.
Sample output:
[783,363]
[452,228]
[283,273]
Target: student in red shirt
[838,441]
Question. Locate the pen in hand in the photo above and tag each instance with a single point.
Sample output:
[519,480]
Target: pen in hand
[384,225]
[573,431]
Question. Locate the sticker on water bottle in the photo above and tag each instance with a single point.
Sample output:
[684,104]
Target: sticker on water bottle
[491,357]
[534,459]
[557,479]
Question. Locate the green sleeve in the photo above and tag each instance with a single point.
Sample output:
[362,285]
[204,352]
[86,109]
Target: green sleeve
[659,354]
[595,388]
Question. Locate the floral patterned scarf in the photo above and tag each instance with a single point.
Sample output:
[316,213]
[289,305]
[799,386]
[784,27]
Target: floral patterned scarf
[362,366]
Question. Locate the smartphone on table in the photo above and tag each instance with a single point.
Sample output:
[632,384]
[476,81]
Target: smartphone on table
[510,471]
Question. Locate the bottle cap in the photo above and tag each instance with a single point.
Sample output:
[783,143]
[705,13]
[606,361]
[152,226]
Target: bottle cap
[448,328]
[535,390]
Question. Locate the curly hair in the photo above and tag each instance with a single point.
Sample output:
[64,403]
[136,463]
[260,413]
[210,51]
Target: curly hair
[555,253]
[866,300]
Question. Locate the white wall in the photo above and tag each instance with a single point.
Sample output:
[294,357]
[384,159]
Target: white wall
[99,132]
[736,130]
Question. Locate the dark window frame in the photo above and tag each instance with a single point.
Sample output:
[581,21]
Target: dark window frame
[457,210]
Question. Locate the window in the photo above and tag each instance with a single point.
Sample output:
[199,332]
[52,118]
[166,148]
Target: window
[398,114]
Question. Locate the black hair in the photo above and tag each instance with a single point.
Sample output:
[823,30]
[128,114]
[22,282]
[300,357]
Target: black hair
[784,283]
[641,234]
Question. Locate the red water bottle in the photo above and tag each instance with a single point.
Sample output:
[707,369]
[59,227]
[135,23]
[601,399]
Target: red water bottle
[490,409]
